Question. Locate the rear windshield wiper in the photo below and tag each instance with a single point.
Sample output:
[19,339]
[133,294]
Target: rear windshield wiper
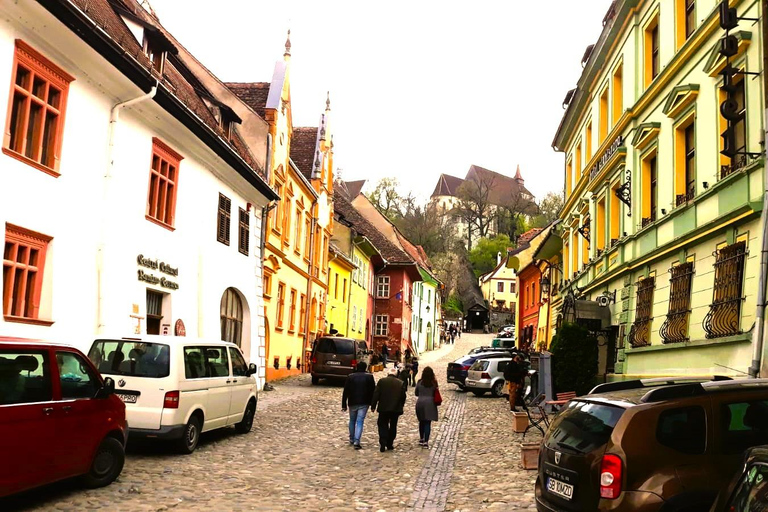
[568,448]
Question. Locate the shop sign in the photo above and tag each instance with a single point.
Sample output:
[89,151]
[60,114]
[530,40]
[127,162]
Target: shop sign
[606,157]
[163,267]
[179,329]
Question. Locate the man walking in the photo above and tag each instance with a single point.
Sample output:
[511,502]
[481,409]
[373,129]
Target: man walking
[358,394]
[384,354]
[389,397]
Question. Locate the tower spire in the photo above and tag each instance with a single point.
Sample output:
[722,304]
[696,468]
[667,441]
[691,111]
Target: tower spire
[328,101]
[287,53]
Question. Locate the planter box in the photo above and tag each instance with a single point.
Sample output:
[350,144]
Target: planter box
[529,455]
[376,367]
[519,422]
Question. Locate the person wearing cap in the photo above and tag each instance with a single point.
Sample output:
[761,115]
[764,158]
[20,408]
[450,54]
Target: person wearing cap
[358,394]
[389,398]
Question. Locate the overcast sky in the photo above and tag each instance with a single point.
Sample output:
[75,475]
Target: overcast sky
[418,88]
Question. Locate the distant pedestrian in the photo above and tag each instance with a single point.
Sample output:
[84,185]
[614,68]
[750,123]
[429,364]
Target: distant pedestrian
[397,356]
[408,354]
[453,333]
[426,408]
[414,369]
[384,354]
[389,398]
[358,394]
[514,374]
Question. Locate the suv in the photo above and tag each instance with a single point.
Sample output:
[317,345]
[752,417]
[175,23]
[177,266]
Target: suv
[650,445]
[487,375]
[58,418]
[175,387]
[337,357]
[457,370]
[748,490]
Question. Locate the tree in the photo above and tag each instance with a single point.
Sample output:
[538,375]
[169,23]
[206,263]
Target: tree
[386,198]
[549,210]
[424,226]
[512,215]
[475,207]
[483,256]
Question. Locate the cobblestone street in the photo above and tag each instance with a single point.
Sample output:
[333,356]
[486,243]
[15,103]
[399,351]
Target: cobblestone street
[297,458]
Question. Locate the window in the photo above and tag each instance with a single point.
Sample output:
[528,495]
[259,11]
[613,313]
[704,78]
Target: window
[752,492]
[603,115]
[154,311]
[154,52]
[217,361]
[33,130]
[615,214]
[568,174]
[277,218]
[575,250]
[578,165]
[685,163]
[163,179]
[381,325]
[675,327]
[500,287]
[239,367]
[649,190]
[683,429]
[205,362]
[267,284]
[583,426]
[336,286]
[344,291]
[76,377]
[302,313]
[194,363]
[280,304]
[222,219]
[360,317]
[382,287]
[354,317]
[744,424]
[307,236]
[690,17]
[420,326]
[429,294]
[231,317]
[134,358]
[245,230]
[23,265]
[618,92]
[724,316]
[588,142]
[727,165]
[286,229]
[534,297]
[513,286]
[24,377]
[292,312]
[297,235]
[652,51]
[640,332]
[566,259]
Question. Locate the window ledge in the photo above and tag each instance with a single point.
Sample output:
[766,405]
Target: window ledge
[30,162]
[160,223]
[24,320]
[279,329]
[739,338]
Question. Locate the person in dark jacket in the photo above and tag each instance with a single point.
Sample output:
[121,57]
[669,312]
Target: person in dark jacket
[384,354]
[414,369]
[389,397]
[426,408]
[358,394]
[404,374]
[514,374]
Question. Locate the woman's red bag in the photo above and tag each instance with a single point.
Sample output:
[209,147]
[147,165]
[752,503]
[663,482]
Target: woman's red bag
[438,397]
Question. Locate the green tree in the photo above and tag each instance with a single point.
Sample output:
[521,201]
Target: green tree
[574,359]
[454,305]
[549,209]
[387,199]
[483,256]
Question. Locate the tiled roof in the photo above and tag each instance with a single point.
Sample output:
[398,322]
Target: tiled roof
[253,94]
[447,185]
[503,187]
[354,188]
[303,146]
[528,235]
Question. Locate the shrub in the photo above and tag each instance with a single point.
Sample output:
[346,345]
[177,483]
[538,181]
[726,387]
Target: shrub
[574,359]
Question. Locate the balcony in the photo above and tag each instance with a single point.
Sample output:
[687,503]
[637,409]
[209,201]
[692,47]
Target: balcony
[681,199]
[647,221]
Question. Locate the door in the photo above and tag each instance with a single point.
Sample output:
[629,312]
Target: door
[241,386]
[27,426]
[218,381]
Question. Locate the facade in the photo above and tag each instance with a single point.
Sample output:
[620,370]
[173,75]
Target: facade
[151,240]
[549,254]
[340,269]
[657,220]
[299,226]
[499,287]
[426,300]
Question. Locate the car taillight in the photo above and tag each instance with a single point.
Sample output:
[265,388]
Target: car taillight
[466,367]
[485,376]
[610,477]
[314,360]
[354,363]
[171,400]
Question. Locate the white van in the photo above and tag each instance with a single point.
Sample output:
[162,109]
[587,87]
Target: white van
[176,387]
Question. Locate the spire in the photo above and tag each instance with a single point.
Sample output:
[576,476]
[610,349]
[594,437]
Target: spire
[518,176]
[287,53]
[328,101]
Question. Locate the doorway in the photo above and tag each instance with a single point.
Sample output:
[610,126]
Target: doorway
[154,311]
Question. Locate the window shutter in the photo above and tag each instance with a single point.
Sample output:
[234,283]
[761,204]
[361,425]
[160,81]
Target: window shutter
[244,232]
[222,233]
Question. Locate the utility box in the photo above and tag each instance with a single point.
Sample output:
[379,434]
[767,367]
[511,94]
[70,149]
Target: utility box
[541,362]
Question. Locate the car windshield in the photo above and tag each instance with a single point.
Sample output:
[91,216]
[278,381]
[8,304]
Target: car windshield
[583,427]
[480,366]
[131,357]
[345,347]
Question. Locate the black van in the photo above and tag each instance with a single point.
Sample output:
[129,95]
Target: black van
[336,357]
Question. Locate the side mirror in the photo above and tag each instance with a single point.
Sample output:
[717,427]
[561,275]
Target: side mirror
[107,389]
[252,369]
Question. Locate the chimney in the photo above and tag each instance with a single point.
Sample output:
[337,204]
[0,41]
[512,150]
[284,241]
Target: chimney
[498,258]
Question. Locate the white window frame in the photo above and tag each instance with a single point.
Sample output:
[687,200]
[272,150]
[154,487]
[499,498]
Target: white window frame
[382,284]
[381,325]
[354,316]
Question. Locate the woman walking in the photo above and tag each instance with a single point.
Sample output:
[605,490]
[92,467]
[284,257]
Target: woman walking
[426,408]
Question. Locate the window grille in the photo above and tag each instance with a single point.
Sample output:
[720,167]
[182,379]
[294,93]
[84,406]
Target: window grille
[723,318]
[640,333]
[675,327]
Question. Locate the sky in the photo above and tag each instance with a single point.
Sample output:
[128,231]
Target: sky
[417,88]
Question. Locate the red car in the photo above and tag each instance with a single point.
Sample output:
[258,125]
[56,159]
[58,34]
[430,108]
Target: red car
[58,418]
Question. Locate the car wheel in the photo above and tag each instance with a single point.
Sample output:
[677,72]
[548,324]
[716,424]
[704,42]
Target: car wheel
[191,436]
[315,380]
[498,389]
[107,463]
[478,392]
[246,423]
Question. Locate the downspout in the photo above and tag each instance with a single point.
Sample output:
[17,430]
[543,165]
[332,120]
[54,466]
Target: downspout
[312,226]
[421,320]
[114,116]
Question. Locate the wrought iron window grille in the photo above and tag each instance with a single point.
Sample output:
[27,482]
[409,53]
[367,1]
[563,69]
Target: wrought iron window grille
[675,327]
[684,198]
[640,332]
[648,220]
[724,315]
[738,163]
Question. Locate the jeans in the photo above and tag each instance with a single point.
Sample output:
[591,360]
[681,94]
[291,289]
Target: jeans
[387,428]
[356,418]
[425,429]
[384,359]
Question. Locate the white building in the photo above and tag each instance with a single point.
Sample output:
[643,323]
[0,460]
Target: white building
[132,189]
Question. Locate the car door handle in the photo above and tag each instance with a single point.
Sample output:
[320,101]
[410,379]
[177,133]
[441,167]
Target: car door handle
[229,381]
[66,408]
[234,381]
[47,410]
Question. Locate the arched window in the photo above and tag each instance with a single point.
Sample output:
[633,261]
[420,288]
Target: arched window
[231,316]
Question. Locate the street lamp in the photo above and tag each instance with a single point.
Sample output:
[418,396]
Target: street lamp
[545,285]
[427,309]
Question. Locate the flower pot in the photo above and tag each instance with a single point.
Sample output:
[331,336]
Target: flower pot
[529,455]
[519,422]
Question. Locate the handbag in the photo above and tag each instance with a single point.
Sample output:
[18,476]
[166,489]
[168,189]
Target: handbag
[438,397]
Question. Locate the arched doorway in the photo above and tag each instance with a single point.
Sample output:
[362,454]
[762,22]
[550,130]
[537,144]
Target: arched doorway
[429,336]
[231,317]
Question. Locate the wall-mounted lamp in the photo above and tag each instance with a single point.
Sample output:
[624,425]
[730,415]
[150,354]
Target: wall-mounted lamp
[427,309]
[706,185]
[625,233]
[545,286]
[663,211]
[288,362]
[276,363]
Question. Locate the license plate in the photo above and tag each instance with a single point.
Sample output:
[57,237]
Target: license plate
[561,489]
[333,362]
[128,399]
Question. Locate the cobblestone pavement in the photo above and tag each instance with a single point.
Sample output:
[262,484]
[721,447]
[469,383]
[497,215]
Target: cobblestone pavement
[297,457]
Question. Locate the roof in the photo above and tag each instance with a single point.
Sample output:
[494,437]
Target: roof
[354,188]
[447,185]
[503,188]
[303,147]
[528,235]
[253,94]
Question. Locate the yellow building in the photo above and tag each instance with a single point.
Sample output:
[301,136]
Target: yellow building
[499,287]
[340,269]
[298,228]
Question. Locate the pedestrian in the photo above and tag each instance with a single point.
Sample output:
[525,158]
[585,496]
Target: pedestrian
[397,356]
[403,373]
[414,369]
[384,354]
[389,398]
[514,374]
[426,408]
[358,394]
[408,354]
[453,333]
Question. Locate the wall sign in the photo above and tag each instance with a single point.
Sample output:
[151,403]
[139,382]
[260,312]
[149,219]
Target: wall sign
[606,157]
[179,329]
[163,267]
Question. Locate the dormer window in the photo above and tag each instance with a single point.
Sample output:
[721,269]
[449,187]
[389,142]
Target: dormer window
[155,54]
[225,117]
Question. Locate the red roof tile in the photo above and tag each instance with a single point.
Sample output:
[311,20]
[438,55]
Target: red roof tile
[303,146]
[253,94]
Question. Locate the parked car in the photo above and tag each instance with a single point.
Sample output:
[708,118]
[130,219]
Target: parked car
[457,370]
[175,388]
[748,490]
[334,357]
[650,445]
[487,375]
[58,418]
[506,331]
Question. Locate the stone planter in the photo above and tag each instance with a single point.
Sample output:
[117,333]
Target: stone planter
[519,422]
[529,455]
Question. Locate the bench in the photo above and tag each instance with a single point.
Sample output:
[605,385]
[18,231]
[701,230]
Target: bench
[561,399]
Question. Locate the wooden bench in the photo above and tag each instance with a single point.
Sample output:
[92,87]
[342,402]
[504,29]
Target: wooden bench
[561,399]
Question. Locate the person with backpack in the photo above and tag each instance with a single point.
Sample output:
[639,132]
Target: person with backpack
[514,374]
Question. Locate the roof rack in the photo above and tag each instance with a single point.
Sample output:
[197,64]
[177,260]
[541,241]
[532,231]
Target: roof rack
[676,391]
[656,381]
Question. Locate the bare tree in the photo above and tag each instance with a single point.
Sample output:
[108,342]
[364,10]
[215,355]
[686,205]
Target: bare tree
[512,215]
[425,226]
[474,206]
[386,198]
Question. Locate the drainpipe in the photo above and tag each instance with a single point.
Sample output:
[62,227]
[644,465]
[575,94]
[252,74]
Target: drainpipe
[421,320]
[312,226]
[114,115]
